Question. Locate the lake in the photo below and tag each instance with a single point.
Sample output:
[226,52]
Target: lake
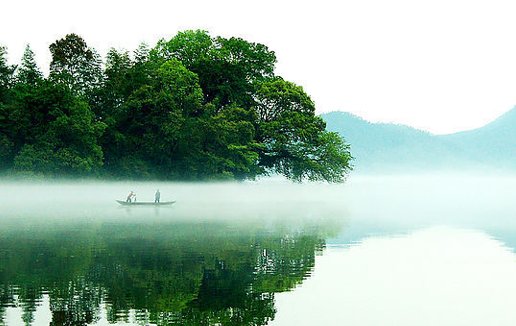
[377,250]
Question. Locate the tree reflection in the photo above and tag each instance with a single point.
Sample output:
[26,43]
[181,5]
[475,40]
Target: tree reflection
[176,273]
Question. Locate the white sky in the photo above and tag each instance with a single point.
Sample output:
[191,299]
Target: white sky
[439,65]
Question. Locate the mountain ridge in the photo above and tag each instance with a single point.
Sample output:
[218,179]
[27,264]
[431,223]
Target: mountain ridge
[387,147]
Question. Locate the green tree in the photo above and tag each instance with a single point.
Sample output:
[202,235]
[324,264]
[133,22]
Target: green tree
[118,65]
[116,86]
[229,145]
[143,70]
[240,64]
[6,73]
[192,107]
[54,131]
[75,65]
[154,127]
[287,136]
[26,78]
[6,83]
[226,68]
[192,48]
[28,72]
[123,79]
[141,54]
[296,144]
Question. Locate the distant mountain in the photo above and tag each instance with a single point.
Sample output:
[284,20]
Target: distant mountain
[493,144]
[384,147]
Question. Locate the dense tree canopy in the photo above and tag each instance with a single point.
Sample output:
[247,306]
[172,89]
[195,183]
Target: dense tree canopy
[193,107]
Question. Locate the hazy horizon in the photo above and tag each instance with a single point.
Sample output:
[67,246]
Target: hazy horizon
[388,122]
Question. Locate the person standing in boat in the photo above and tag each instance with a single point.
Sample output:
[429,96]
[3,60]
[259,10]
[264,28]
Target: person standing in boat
[130,197]
[157,196]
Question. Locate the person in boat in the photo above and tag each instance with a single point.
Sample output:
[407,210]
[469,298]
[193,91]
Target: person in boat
[130,197]
[157,196]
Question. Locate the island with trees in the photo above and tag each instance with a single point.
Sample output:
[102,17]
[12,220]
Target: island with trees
[194,107]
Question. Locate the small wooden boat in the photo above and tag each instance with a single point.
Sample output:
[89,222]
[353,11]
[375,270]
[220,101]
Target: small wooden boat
[144,203]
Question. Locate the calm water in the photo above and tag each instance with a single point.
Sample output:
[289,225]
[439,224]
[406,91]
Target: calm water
[426,250]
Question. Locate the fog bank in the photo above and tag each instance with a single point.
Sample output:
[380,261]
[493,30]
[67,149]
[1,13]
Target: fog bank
[408,201]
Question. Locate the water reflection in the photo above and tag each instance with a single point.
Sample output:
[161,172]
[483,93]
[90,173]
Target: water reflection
[433,276]
[208,267]
[184,273]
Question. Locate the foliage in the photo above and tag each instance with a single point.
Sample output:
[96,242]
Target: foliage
[6,81]
[193,107]
[75,65]
[227,68]
[296,144]
[53,132]
[28,72]
[6,74]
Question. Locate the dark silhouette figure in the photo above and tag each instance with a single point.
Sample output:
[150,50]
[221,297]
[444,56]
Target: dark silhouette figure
[157,196]
[130,197]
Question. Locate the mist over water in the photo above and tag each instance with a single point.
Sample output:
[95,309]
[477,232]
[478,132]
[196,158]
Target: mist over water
[469,200]
[435,249]
[466,200]
[260,251]
[247,200]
